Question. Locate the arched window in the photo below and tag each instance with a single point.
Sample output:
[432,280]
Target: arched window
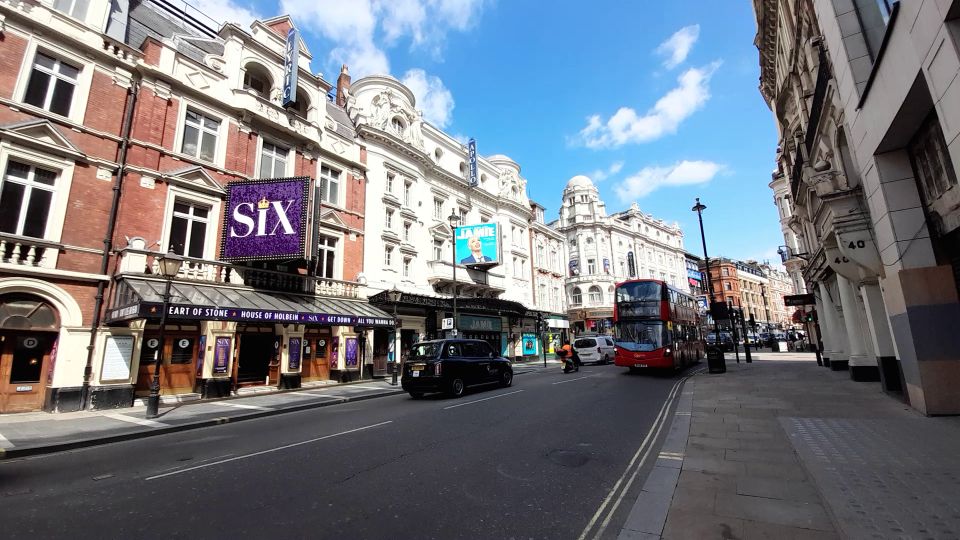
[27,312]
[397,126]
[576,297]
[257,79]
[596,295]
[302,105]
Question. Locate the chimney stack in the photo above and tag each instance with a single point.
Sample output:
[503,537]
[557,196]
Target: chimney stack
[343,86]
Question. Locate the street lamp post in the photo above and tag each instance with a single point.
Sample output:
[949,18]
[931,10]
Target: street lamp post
[699,208]
[454,220]
[395,296]
[169,268]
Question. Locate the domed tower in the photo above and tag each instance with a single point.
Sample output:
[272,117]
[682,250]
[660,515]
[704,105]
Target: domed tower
[581,202]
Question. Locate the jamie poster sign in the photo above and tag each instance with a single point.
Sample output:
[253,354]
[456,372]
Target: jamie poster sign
[265,220]
[477,244]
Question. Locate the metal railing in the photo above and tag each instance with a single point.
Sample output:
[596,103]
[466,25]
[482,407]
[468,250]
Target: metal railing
[219,272]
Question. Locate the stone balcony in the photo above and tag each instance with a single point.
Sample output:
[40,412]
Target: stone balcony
[20,251]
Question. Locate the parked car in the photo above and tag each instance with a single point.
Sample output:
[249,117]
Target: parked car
[595,349]
[725,343]
[452,365]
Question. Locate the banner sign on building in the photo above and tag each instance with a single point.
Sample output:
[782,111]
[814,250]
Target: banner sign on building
[265,220]
[606,265]
[472,150]
[201,352]
[221,355]
[291,60]
[574,267]
[477,245]
[694,274]
[472,323]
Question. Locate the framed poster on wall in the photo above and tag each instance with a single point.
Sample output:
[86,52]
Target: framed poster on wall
[221,355]
[293,363]
[116,358]
[350,355]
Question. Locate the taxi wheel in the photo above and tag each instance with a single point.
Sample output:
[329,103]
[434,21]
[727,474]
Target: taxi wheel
[506,378]
[457,388]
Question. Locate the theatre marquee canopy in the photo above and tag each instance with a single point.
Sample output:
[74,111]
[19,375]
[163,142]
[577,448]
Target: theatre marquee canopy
[143,299]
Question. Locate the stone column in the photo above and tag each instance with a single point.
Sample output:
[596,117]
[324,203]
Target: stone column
[859,361]
[890,374]
[834,327]
[826,328]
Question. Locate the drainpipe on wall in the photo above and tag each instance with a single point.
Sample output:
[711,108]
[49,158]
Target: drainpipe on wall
[133,93]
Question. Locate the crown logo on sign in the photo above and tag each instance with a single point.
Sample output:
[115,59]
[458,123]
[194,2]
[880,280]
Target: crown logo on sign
[263,204]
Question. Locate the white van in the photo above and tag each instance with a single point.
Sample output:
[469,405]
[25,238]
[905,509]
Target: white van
[596,349]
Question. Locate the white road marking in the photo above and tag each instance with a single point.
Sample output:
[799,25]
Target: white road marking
[634,467]
[357,387]
[260,453]
[577,379]
[484,399]
[4,443]
[242,406]
[133,420]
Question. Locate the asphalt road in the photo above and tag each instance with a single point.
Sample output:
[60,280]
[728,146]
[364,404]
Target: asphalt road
[536,460]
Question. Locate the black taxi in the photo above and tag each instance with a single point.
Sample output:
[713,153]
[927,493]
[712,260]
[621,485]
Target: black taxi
[451,365]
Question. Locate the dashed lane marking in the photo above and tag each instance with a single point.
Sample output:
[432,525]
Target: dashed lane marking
[4,443]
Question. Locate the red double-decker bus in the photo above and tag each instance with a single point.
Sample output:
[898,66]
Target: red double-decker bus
[656,326]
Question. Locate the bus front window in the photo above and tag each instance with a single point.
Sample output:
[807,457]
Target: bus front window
[642,336]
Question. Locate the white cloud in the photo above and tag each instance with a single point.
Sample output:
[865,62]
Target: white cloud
[227,11]
[600,175]
[433,98]
[626,126]
[682,173]
[677,47]
[361,30]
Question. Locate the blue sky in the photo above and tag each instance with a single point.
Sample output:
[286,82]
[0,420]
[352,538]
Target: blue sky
[656,101]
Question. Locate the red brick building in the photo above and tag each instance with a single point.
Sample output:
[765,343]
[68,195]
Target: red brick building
[723,278]
[118,142]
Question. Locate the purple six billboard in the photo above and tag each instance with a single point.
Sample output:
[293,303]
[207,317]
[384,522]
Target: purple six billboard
[265,219]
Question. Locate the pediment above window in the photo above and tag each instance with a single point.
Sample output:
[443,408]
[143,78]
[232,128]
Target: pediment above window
[333,220]
[194,177]
[43,135]
[441,231]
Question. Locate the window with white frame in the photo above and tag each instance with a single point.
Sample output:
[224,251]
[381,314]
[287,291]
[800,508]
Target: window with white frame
[540,251]
[406,231]
[74,8]
[200,133]
[591,266]
[390,177]
[330,178]
[406,266]
[542,297]
[51,85]
[463,216]
[438,209]
[26,199]
[397,125]
[576,297]
[388,256]
[596,295]
[407,188]
[273,161]
[438,250]
[327,257]
[388,220]
[188,228]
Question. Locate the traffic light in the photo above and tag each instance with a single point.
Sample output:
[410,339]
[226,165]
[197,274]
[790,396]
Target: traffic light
[811,316]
